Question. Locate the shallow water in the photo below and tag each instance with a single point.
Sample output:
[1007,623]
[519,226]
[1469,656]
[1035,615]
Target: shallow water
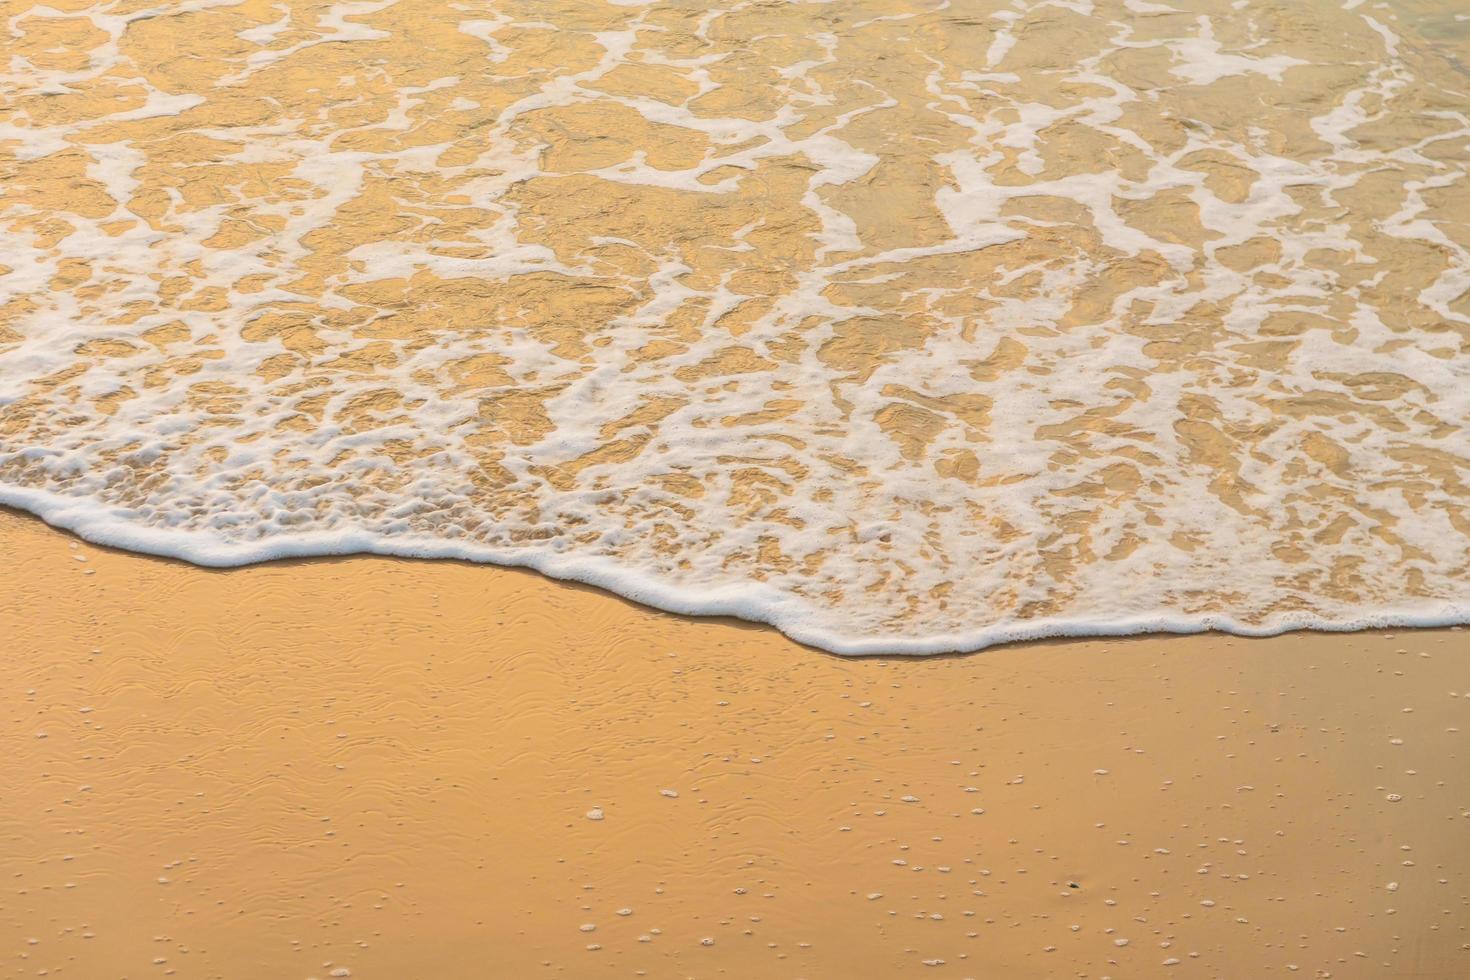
[904,326]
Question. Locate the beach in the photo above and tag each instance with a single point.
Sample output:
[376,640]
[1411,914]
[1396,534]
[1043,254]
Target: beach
[433,769]
[778,488]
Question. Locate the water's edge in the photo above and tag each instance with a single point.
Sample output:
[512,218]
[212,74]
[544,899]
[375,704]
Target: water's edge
[755,603]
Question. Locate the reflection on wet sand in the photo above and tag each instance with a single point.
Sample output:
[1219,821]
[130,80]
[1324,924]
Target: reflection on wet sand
[393,768]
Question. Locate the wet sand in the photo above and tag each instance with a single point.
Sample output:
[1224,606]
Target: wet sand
[383,768]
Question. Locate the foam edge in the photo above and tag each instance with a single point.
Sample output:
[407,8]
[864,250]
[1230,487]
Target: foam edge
[754,603]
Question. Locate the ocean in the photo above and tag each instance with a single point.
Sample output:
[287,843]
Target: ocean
[905,327]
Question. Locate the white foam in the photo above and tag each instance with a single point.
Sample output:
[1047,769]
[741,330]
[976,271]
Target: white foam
[882,552]
[1203,61]
[749,601]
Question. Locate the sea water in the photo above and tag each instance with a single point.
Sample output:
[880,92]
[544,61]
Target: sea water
[906,327]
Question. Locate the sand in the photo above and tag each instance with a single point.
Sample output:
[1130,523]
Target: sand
[378,768]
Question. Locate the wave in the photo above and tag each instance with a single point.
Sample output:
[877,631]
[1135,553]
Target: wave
[900,328]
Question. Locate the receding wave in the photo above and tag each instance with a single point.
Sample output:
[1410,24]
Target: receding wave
[903,326]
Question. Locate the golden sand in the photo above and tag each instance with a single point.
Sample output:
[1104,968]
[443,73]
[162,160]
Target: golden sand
[383,768]
[921,317]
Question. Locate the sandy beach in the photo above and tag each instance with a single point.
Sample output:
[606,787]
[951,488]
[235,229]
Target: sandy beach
[380,768]
[908,327]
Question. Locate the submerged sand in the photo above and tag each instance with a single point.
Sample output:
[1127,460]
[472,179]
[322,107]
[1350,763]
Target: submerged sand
[891,322]
[383,768]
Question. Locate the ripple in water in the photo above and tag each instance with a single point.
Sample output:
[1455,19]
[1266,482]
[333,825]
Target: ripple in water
[904,326]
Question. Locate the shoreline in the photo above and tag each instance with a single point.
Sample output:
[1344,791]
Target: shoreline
[393,767]
[79,518]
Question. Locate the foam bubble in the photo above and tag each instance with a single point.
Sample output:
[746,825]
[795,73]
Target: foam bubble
[1075,319]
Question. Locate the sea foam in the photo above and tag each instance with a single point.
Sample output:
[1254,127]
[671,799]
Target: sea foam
[903,330]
